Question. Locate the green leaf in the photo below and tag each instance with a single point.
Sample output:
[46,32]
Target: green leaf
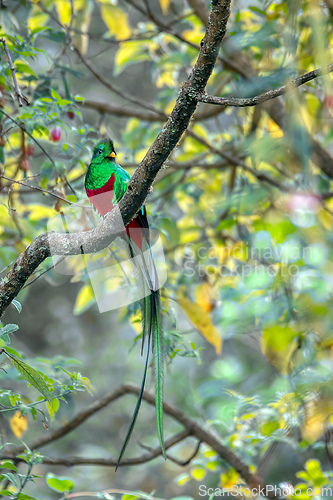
[11,478]
[33,376]
[130,53]
[269,427]
[24,116]
[17,304]
[24,68]
[53,407]
[8,465]
[10,328]
[55,95]
[10,350]
[39,29]
[61,484]
[226,224]
[259,11]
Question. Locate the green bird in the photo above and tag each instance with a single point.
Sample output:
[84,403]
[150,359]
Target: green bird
[105,184]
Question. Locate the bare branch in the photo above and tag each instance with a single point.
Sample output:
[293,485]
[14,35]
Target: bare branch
[266,96]
[111,462]
[20,97]
[109,86]
[155,115]
[2,112]
[191,429]
[36,188]
[121,111]
[44,272]
[234,161]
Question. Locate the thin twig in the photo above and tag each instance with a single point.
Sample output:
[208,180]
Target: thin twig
[44,272]
[111,462]
[266,96]
[181,463]
[108,85]
[234,161]
[36,188]
[20,97]
[28,133]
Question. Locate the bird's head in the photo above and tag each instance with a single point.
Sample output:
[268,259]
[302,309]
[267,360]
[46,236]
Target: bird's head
[104,149]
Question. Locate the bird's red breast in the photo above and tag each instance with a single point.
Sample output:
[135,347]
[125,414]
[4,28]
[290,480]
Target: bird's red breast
[102,198]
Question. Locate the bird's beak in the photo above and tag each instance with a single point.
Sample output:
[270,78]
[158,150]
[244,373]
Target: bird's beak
[112,155]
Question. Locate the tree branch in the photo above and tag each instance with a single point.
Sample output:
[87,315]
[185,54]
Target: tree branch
[138,188]
[191,429]
[266,96]
[109,86]
[122,112]
[20,97]
[111,462]
[36,188]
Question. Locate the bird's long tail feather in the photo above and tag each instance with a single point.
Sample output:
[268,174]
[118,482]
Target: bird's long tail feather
[158,362]
[153,330]
[137,407]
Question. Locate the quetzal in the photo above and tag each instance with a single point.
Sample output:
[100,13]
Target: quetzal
[106,183]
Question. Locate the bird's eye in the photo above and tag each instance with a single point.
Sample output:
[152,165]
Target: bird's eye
[100,151]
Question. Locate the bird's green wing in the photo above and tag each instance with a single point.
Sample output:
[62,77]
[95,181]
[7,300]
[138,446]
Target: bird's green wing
[120,183]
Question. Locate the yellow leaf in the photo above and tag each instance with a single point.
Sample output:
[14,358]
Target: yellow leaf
[165,4]
[84,299]
[274,129]
[317,413]
[183,479]
[140,154]
[18,424]
[38,212]
[116,20]
[202,322]
[198,473]
[64,11]
[88,385]
[229,479]
[135,320]
[210,454]
[167,76]
[37,19]
[326,219]
[278,344]
[205,295]
[130,52]
[169,107]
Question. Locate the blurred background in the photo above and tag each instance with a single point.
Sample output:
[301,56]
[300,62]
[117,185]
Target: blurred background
[243,207]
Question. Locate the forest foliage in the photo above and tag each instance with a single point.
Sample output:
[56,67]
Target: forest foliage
[243,207]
